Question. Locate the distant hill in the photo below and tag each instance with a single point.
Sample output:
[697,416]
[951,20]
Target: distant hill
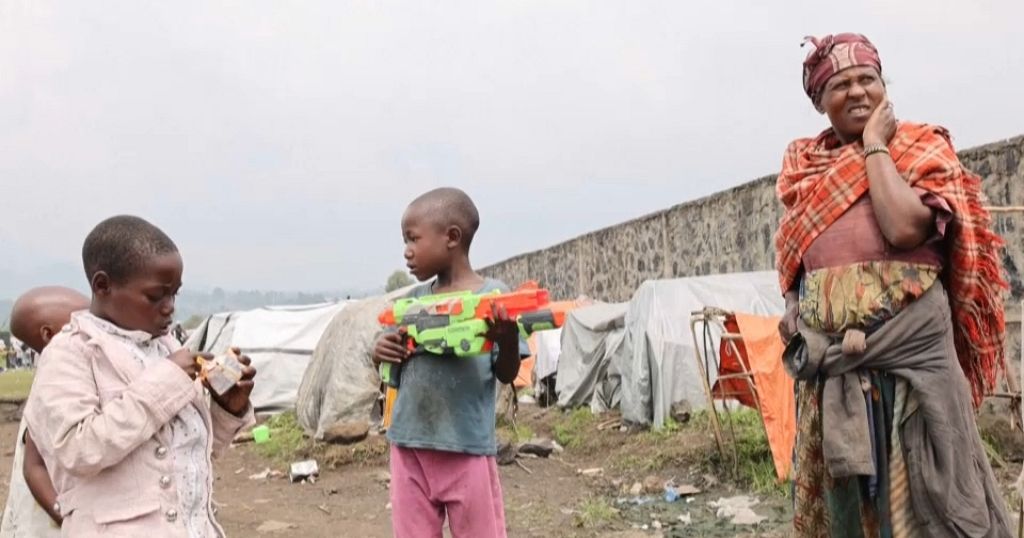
[199,303]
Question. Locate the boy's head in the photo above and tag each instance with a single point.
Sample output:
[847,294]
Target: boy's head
[40,313]
[438,227]
[134,271]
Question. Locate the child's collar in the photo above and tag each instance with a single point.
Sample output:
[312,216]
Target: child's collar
[138,337]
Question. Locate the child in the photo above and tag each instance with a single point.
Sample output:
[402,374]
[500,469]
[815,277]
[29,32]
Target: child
[124,427]
[36,317]
[442,435]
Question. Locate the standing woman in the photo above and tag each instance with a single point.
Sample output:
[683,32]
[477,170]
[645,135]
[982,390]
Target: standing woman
[894,317]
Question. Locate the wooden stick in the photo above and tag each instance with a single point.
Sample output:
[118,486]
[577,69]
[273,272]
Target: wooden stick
[1005,209]
[523,467]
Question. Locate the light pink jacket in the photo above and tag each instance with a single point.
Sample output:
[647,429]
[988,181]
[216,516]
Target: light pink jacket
[100,421]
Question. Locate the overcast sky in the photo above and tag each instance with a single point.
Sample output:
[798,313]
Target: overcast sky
[278,142]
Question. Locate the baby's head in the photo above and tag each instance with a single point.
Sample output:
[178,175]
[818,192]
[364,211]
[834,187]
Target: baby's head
[40,313]
[134,271]
[437,227]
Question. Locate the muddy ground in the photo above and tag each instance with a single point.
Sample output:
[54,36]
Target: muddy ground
[607,482]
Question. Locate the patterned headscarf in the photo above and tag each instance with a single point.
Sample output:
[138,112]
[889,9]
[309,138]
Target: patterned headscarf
[832,54]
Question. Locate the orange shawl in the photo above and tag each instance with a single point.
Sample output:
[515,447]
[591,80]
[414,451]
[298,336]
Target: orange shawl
[818,184]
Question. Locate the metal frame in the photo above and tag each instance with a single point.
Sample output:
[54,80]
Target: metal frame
[715,317]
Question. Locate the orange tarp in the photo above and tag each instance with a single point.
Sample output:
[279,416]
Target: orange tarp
[761,351]
[525,377]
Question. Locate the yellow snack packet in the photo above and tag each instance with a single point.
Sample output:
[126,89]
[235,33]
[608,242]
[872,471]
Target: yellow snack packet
[221,373]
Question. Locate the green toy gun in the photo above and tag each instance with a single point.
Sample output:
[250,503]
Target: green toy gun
[455,323]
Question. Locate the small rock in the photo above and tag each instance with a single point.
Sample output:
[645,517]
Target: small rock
[331,491]
[387,506]
[507,454]
[270,526]
[686,490]
[347,432]
[538,447]
[637,489]
[681,411]
[383,477]
[653,484]
[262,475]
[590,472]
[656,524]
[685,519]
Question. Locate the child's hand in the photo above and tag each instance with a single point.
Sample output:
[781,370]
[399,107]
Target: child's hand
[502,329]
[186,360]
[236,399]
[389,348]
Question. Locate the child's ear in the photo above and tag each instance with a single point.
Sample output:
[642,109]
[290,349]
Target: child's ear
[46,334]
[454,236]
[100,283]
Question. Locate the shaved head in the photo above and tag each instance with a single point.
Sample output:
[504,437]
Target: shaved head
[40,313]
[449,206]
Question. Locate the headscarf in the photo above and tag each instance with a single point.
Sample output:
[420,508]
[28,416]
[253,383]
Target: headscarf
[832,54]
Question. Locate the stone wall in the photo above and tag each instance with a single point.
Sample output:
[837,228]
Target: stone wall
[731,231]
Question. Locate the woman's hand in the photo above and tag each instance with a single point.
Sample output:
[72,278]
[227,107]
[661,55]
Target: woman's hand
[881,126]
[787,325]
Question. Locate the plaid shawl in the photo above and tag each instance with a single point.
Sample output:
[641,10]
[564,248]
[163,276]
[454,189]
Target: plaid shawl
[820,181]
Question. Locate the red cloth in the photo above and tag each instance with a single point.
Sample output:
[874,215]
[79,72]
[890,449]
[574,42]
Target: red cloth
[821,179]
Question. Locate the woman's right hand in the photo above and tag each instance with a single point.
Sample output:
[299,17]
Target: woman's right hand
[186,360]
[389,348]
[787,325]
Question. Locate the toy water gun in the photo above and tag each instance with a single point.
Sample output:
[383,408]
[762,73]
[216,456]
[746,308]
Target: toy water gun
[455,323]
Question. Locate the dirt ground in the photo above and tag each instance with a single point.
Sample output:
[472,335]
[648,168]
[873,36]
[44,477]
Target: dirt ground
[543,497]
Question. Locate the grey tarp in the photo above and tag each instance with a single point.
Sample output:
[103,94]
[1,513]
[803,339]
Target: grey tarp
[593,355]
[662,368]
[341,383]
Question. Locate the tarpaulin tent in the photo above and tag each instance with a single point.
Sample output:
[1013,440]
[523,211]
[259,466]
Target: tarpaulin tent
[341,383]
[279,339]
[662,369]
[593,353]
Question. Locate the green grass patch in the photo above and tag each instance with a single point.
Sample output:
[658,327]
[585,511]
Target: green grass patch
[594,512]
[572,429]
[15,384]
[286,438]
[520,434]
[756,468]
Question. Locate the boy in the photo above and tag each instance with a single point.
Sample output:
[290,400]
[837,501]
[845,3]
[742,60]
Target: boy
[442,435]
[36,317]
[124,427]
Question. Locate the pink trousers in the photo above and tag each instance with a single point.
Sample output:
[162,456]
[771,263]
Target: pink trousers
[427,484]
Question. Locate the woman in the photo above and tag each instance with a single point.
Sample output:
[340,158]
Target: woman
[883,249]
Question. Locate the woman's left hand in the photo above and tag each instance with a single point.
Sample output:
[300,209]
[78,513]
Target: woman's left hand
[236,399]
[881,126]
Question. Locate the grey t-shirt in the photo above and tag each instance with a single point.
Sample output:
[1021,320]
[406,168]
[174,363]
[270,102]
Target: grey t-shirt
[447,402]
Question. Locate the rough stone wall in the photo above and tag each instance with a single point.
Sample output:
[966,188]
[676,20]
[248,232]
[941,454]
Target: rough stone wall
[732,231]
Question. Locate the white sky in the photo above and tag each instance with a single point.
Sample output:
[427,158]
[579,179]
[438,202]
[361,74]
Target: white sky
[278,142]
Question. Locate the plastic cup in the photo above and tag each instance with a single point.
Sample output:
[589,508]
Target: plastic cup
[261,434]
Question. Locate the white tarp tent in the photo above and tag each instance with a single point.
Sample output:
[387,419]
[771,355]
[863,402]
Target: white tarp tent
[662,369]
[279,339]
